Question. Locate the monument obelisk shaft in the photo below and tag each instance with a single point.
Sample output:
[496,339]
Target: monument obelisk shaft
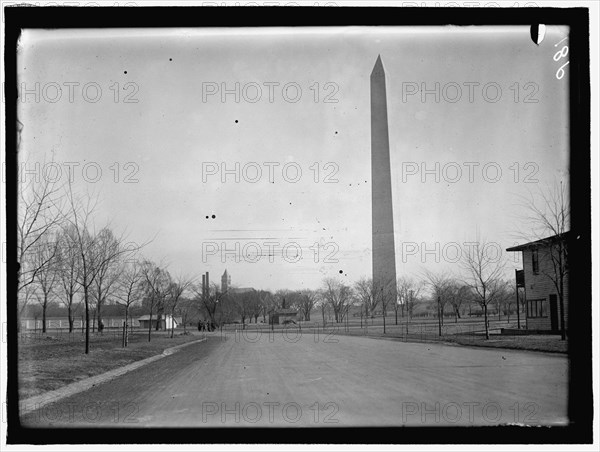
[384,255]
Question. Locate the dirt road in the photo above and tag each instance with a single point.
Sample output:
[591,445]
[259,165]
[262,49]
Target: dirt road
[255,379]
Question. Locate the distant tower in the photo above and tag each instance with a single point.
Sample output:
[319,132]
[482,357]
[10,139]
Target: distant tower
[225,282]
[384,255]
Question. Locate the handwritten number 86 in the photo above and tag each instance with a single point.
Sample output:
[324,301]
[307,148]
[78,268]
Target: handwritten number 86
[557,56]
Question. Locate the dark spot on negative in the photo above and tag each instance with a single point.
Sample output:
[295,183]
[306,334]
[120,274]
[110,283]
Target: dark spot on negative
[236,121]
[214,216]
[341,271]
[124,72]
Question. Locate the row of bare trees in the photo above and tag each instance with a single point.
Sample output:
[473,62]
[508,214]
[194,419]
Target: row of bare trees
[63,256]
[335,298]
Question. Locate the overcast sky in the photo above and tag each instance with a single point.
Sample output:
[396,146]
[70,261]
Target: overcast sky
[320,124]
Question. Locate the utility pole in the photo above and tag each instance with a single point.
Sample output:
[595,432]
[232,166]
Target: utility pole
[517,293]
[347,314]
[361,315]
[384,309]
[439,316]
[408,305]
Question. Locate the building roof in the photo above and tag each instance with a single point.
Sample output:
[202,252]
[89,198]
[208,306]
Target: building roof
[542,242]
[154,317]
[286,311]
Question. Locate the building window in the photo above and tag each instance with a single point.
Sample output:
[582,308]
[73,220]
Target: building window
[537,308]
[535,262]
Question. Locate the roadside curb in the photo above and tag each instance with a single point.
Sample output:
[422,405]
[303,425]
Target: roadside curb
[33,403]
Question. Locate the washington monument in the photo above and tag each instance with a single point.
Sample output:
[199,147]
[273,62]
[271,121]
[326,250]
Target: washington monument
[384,255]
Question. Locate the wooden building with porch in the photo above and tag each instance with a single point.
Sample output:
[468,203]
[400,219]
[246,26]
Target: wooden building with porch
[544,276]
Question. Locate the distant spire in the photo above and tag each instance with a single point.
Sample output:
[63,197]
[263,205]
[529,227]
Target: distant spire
[378,70]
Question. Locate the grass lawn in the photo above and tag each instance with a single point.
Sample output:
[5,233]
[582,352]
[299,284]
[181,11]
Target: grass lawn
[50,361]
[540,343]
[467,331]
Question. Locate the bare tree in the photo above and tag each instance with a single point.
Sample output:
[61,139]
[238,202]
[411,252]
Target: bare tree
[80,222]
[156,282]
[27,293]
[414,299]
[45,260]
[506,299]
[267,302]
[242,302]
[484,272]
[40,208]
[256,306]
[323,305]
[547,214]
[366,293]
[397,306]
[338,295]
[248,304]
[108,253]
[306,303]
[177,288]
[408,294]
[211,302]
[402,285]
[129,291]
[440,284]
[91,261]
[386,293]
[457,294]
[187,308]
[69,269]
